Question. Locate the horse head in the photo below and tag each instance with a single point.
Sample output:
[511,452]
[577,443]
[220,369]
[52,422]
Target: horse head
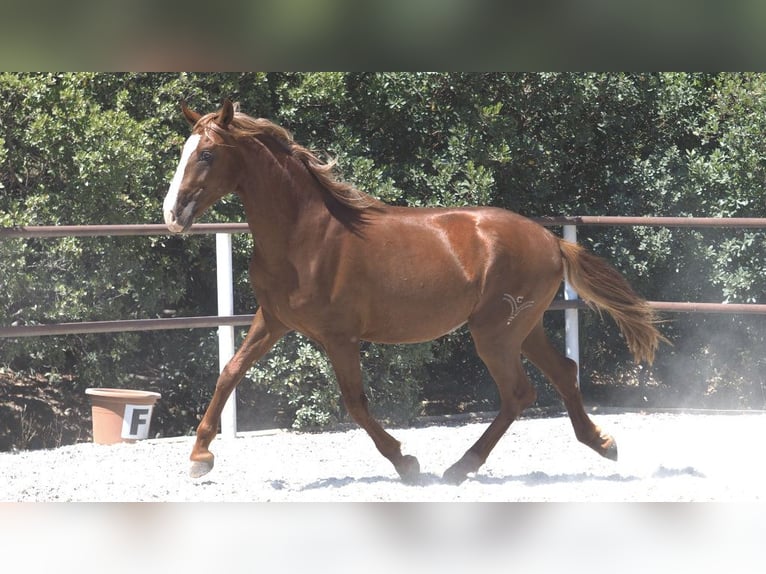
[207,170]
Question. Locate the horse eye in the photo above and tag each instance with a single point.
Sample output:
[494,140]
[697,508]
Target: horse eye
[206,156]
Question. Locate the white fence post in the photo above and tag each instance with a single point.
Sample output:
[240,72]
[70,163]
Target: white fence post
[571,321]
[225,287]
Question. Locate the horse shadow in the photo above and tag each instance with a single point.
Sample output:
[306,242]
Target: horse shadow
[535,478]
[425,479]
[539,478]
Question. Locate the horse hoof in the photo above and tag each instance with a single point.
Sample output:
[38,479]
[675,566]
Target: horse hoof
[458,472]
[200,468]
[409,469]
[455,475]
[609,449]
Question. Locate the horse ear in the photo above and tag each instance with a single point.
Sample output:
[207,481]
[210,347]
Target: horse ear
[191,116]
[225,114]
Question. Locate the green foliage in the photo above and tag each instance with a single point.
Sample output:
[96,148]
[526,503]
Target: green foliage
[393,376]
[101,148]
[300,373]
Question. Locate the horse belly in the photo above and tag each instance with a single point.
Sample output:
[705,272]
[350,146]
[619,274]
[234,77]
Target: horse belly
[410,329]
[416,311]
[422,272]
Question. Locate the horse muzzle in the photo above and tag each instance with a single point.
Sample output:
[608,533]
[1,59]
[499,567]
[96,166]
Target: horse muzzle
[179,222]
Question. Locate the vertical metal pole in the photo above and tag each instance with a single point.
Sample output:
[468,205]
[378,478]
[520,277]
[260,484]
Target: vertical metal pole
[571,320]
[225,289]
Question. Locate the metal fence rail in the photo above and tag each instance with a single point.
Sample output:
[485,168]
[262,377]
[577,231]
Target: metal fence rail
[37,231]
[87,327]
[619,220]
[225,321]
[215,321]
[34,231]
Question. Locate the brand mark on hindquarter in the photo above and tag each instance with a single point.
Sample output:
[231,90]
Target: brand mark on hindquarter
[517,306]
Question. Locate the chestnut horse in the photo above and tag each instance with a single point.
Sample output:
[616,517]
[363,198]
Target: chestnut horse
[341,267]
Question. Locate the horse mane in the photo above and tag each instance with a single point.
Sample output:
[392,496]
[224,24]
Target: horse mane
[244,126]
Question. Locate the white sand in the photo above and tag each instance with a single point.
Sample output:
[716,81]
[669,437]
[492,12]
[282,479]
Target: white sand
[663,457]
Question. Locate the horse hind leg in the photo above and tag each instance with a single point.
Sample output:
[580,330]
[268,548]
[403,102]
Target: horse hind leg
[503,359]
[562,372]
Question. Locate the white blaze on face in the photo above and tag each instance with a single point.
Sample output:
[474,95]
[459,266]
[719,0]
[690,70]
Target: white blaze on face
[168,207]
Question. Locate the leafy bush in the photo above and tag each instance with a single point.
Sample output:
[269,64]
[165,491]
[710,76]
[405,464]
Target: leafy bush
[300,373]
[100,148]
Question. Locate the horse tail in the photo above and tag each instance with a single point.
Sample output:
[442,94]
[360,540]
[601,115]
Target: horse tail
[602,286]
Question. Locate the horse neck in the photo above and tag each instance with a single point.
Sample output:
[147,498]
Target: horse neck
[283,202]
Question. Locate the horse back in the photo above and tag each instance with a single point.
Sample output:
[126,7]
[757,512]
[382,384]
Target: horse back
[429,269]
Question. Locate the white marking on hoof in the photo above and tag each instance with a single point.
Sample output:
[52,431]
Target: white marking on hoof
[517,306]
[199,468]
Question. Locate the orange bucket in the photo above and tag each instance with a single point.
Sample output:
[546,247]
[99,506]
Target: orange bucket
[121,415]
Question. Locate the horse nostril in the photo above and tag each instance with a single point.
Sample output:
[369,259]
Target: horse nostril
[170,219]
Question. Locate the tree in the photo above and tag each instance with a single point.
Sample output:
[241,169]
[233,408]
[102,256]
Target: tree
[100,148]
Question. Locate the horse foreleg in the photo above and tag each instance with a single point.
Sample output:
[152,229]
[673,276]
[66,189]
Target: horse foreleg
[562,372]
[345,361]
[260,339]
